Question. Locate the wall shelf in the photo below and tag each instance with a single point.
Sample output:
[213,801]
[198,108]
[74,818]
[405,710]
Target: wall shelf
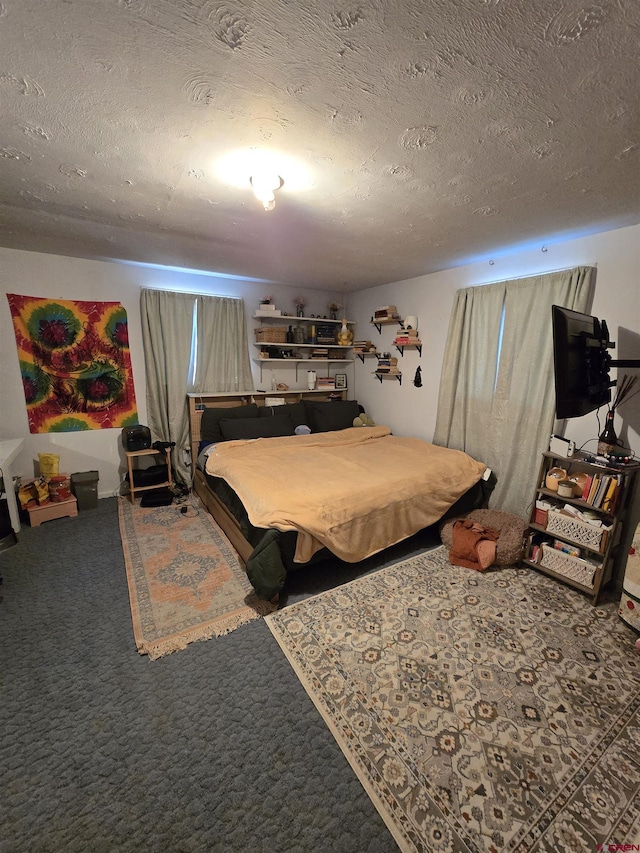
[292,319]
[310,360]
[382,376]
[401,347]
[392,321]
[283,345]
[361,355]
[266,362]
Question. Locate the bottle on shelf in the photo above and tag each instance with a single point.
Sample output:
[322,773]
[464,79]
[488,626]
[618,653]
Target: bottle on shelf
[289,336]
[298,334]
[608,440]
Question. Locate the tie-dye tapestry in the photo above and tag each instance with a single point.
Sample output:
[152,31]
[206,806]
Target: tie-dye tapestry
[75,363]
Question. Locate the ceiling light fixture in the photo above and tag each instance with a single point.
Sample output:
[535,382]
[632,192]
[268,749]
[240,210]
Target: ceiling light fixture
[264,186]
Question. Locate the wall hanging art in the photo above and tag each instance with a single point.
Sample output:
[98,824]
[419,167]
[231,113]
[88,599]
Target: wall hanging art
[75,363]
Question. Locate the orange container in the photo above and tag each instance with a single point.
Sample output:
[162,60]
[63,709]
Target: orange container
[60,487]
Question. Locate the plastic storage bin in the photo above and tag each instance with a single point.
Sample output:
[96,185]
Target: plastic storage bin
[84,486]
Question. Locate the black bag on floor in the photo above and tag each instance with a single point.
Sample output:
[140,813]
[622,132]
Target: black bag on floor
[157,497]
[149,476]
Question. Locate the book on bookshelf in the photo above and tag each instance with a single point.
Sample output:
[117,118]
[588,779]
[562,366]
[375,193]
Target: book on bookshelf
[602,489]
[608,501]
[595,483]
[587,487]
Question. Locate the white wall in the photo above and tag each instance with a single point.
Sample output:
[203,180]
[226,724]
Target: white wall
[36,274]
[412,411]
[408,410]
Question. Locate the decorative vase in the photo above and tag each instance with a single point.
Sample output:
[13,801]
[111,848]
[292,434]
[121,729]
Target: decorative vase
[608,440]
[298,334]
[300,311]
[334,315]
[311,380]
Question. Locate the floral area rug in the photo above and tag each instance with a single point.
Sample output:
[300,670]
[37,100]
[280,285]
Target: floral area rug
[185,581]
[481,712]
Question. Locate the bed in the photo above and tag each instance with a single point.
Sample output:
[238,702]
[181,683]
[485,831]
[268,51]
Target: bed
[286,500]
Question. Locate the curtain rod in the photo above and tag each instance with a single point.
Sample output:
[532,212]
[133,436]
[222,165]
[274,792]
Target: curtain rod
[534,274]
[190,293]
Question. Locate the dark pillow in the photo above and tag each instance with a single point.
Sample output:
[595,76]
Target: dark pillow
[325,417]
[295,411]
[210,423]
[203,444]
[255,428]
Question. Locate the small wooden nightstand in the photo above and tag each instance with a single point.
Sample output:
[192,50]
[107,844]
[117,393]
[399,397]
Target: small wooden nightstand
[133,454]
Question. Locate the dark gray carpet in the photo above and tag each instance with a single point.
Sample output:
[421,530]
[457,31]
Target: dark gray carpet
[214,748]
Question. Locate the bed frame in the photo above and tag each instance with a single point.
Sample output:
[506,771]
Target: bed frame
[197,404]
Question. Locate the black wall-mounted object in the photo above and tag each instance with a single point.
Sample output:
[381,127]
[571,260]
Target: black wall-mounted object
[582,362]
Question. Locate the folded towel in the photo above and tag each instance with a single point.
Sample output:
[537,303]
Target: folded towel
[474,546]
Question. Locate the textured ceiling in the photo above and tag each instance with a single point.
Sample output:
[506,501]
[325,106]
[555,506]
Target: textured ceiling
[433,132]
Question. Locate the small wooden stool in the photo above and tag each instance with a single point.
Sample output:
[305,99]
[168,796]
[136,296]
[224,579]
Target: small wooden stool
[54,509]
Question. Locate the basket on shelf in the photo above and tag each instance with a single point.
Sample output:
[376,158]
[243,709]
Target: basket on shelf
[271,335]
[565,564]
[580,532]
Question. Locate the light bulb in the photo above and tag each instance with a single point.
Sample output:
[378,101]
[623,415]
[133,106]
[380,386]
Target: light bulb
[264,184]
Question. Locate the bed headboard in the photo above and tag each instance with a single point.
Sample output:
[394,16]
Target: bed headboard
[199,402]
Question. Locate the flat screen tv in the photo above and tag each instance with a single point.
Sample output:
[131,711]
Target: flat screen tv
[581,362]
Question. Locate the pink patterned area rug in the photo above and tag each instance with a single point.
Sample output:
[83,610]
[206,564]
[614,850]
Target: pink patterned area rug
[494,712]
[185,580]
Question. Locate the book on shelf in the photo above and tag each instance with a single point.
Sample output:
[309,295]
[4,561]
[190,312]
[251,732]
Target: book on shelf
[609,499]
[587,487]
[327,383]
[605,480]
[387,312]
[401,340]
[595,483]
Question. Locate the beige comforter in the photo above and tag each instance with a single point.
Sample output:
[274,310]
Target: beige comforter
[355,491]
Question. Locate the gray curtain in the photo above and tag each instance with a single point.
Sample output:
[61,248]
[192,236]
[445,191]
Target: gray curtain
[223,349]
[214,357]
[497,396]
[167,324]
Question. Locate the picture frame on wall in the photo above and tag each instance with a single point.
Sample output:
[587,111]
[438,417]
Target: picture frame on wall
[341,380]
